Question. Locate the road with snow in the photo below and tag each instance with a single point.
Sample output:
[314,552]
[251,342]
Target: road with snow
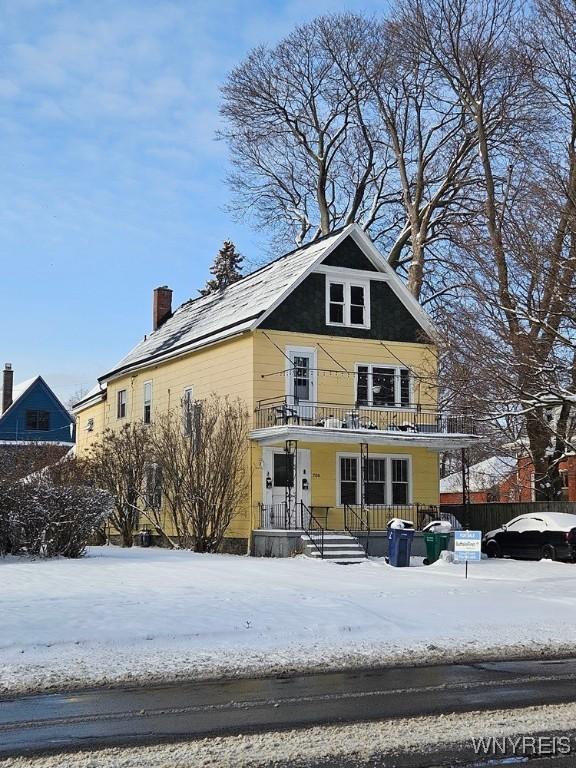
[148,715]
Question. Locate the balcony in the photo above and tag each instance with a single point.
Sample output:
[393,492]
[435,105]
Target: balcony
[414,420]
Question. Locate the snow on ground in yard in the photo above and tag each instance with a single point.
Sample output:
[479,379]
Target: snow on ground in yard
[418,735]
[152,614]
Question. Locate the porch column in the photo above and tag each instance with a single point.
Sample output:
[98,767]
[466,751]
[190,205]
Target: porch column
[363,476]
[291,491]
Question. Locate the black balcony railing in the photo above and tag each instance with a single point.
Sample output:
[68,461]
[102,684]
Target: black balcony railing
[416,420]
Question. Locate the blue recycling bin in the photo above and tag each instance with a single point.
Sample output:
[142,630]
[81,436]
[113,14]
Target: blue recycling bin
[400,546]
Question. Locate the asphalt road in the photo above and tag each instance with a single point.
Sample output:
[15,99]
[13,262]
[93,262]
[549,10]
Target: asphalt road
[103,717]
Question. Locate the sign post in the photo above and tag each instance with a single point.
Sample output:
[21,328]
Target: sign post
[467,546]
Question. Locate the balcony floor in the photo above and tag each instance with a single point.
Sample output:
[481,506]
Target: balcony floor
[440,441]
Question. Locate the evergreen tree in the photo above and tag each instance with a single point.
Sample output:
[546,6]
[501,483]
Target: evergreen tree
[226,269]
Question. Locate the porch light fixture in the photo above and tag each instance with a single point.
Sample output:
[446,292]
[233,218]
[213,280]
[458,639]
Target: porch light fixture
[377,388]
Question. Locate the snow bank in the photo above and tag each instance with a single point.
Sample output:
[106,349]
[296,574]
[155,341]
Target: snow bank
[151,614]
[355,744]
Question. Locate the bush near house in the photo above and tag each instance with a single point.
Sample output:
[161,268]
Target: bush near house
[42,519]
[50,512]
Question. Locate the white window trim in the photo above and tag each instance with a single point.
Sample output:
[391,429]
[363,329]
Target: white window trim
[397,402]
[311,352]
[144,401]
[125,390]
[388,457]
[348,282]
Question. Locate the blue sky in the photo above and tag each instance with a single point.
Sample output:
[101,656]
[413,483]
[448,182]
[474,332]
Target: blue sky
[111,181]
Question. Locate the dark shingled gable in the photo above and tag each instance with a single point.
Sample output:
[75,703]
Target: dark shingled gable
[348,254]
[304,311]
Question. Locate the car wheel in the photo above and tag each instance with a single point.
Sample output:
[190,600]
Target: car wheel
[548,552]
[493,549]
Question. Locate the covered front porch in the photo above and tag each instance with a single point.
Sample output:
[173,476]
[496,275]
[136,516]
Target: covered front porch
[313,482]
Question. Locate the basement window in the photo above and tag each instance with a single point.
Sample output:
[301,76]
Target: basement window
[37,421]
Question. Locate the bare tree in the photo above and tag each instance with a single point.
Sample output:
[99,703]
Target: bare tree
[202,453]
[117,463]
[515,258]
[340,123]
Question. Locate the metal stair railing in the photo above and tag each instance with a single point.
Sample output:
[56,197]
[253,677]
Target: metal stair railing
[311,523]
[354,524]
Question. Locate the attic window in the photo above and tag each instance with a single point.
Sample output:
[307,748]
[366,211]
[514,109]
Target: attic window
[348,303]
[38,421]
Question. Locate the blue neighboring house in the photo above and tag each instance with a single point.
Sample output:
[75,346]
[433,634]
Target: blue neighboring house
[31,412]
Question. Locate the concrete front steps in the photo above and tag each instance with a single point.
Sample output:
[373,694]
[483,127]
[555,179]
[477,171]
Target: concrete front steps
[339,547]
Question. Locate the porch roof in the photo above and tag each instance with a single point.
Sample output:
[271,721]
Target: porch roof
[440,441]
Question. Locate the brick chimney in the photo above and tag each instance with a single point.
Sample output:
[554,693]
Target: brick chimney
[161,306]
[7,387]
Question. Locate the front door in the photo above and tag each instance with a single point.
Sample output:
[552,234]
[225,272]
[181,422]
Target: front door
[301,382]
[286,484]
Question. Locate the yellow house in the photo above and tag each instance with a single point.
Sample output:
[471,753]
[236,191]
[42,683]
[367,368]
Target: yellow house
[336,363]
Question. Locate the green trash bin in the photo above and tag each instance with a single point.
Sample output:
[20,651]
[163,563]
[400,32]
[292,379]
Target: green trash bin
[435,543]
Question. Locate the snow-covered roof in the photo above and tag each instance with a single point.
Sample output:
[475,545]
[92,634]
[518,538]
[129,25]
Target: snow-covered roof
[19,389]
[228,312]
[482,476]
[97,393]
[238,308]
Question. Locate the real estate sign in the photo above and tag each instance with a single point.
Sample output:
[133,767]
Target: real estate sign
[467,545]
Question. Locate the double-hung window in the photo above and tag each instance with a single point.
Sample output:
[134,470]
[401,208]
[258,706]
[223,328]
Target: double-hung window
[386,481]
[153,495]
[347,303]
[37,421]
[383,386]
[121,404]
[147,412]
[188,410]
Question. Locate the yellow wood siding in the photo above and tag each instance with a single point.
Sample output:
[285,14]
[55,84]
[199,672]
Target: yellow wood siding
[324,473]
[241,367]
[334,385]
[222,369]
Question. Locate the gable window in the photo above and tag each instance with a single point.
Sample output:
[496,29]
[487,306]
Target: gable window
[121,404]
[383,386]
[347,303]
[387,481]
[147,414]
[37,421]
[336,305]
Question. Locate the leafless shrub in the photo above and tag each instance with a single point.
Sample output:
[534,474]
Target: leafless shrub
[202,453]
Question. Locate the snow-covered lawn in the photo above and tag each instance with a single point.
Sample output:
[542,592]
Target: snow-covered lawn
[143,615]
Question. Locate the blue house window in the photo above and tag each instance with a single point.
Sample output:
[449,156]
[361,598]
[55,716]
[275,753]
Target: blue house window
[37,421]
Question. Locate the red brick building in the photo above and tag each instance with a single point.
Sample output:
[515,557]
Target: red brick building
[505,479]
